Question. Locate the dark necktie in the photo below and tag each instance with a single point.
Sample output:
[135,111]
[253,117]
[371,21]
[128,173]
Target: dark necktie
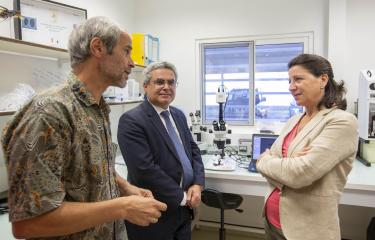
[185,162]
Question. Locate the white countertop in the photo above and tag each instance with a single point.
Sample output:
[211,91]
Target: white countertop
[360,178]
[359,190]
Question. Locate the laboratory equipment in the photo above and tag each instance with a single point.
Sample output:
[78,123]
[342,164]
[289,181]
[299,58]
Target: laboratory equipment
[196,127]
[244,147]
[366,104]
[219,127]
[260,142]
[366,115]
[225,164]
[221,162]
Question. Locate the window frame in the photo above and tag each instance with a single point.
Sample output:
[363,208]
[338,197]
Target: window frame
[307,38]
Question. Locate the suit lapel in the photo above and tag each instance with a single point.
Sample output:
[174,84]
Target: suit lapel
[158,124]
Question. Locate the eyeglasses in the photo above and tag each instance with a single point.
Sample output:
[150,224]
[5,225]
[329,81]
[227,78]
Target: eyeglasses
[161,82]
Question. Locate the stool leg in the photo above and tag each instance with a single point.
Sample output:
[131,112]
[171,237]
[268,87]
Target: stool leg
[222,230]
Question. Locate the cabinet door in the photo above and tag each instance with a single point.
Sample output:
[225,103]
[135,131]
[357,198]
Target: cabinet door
[116,112]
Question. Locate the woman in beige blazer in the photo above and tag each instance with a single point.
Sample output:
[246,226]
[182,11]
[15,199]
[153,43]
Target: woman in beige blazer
[308,165]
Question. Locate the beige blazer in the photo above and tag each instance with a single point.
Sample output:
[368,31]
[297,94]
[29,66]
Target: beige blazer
[311,185]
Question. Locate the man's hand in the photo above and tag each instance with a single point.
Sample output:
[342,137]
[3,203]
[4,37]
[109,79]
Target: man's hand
[73,217]
[193,198]
[127,189]
[140,210]
[134,190]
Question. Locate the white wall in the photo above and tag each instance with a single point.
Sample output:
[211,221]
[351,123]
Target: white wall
[179,23]
[351,46]
[121,11]
[360,42]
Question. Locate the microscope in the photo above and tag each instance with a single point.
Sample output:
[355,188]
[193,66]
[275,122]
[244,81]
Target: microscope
[196,127]
[366,117]
[219,127]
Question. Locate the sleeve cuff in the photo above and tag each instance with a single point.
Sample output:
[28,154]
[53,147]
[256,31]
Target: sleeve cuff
[183,202]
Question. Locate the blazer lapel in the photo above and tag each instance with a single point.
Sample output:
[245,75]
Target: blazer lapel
[290,125]
[158,124]
[310,126]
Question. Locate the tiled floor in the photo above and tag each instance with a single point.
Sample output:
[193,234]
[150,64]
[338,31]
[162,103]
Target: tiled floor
[206,233]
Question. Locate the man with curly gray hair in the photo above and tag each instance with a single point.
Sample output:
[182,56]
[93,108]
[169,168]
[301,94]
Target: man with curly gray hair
[60,157]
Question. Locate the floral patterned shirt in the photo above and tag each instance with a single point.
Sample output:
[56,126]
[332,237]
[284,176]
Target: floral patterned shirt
[58,148]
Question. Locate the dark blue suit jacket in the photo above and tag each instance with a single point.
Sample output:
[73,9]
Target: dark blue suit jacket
[150,156]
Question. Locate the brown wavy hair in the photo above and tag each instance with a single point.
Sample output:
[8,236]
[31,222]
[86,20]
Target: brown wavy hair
[334,92]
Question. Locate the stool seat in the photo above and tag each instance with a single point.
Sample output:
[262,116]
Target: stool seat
[216,199]
[222,201]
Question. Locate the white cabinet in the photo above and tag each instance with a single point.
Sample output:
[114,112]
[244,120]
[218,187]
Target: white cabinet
[117,109]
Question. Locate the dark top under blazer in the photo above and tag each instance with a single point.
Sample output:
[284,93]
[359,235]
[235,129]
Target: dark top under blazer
[150,156]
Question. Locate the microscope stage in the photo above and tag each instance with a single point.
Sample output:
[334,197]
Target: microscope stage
[226,164]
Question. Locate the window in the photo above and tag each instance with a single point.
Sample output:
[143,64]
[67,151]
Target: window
[273,101]
[254,72]
[229,65]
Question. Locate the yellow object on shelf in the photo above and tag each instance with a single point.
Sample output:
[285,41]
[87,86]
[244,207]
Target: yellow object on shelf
[138,52]
[145,49]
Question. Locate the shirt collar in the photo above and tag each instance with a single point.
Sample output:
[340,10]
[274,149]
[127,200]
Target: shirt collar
[80,91]
[158,109]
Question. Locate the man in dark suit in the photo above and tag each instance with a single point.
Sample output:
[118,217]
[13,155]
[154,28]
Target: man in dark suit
[162,156]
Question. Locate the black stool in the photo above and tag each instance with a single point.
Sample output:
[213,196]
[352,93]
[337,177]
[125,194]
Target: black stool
[371,230]
[223,201]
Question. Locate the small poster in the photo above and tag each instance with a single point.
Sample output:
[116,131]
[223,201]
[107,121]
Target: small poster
[48,23]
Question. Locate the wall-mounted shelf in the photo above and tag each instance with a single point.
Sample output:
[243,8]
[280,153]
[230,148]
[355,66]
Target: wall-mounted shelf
[6,113]
[138,66]
[19,47]
[23,48]
[125,102]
